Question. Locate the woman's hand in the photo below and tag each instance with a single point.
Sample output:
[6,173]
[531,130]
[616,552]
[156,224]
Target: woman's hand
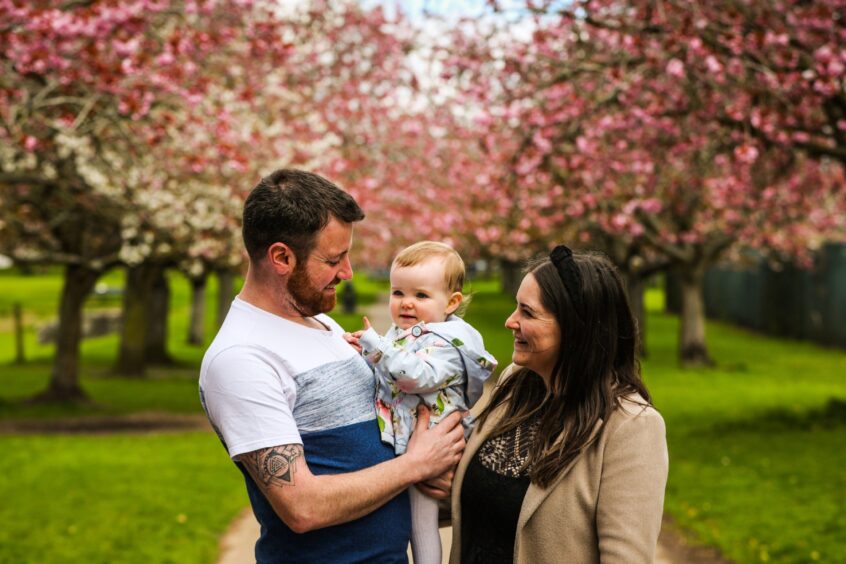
[439,487]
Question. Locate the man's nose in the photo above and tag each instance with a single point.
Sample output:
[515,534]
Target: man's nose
[346,271]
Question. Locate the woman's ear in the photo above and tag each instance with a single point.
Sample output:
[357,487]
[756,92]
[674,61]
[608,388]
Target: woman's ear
[453,303]
[281,258]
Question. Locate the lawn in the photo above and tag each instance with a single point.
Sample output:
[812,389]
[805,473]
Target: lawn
[756,447]
[162,497]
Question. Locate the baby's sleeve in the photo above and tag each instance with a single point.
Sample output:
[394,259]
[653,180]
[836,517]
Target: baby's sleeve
[433,364]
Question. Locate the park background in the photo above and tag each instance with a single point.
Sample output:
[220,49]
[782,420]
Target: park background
[701,146]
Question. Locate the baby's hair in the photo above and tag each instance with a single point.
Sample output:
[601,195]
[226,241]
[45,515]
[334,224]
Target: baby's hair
[424,250]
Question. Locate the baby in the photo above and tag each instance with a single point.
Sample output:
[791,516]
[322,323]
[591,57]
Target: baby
[429,356]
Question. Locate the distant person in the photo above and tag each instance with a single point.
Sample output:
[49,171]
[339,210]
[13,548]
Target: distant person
[292,401]
[429,356]
[569,461]
[348,297]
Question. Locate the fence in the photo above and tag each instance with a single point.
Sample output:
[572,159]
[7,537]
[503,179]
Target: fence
[789,302]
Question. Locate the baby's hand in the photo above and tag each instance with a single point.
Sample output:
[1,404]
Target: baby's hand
[352,339]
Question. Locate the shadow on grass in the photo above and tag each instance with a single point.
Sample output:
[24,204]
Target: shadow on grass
[829,416]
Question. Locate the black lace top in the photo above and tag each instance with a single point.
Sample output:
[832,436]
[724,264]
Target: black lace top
[492,494]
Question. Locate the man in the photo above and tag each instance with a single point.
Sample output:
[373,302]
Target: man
[293,403]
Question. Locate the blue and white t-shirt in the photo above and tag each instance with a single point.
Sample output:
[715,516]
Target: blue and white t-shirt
[266,381]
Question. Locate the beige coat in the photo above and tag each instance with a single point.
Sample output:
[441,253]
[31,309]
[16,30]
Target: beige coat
[606,506]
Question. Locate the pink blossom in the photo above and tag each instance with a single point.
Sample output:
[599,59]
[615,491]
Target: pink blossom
[651,205]
[675,68]
[746,153]
[713,65]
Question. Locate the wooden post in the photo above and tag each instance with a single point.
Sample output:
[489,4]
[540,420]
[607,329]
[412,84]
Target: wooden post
[20,358]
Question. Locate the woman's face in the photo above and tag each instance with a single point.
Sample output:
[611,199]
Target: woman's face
[537,335]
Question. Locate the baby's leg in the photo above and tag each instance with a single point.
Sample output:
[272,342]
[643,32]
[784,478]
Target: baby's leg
[425,539]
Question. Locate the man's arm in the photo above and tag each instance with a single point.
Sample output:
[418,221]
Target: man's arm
[306,502]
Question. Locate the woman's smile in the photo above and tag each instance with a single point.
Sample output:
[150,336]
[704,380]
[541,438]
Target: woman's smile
[537,336]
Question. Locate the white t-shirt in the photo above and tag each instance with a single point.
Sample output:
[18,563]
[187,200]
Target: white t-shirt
[265,380]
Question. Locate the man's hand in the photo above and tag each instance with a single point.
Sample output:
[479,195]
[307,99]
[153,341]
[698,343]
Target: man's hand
[435,451]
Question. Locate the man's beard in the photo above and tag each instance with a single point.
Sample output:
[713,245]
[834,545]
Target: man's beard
[307,300]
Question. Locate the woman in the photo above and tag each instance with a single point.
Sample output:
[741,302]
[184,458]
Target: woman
[568,462]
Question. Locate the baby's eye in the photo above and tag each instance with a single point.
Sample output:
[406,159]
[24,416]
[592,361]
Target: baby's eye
[421,295]
[396,293]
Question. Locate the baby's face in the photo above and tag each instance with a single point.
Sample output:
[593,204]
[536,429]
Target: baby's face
[419,293]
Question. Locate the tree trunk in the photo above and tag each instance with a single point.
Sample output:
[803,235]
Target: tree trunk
[692,348]
[225,293]
[635,288]
[17,313]
[157,319]
[511,274]
[197,323]
[64,380]
[136,302]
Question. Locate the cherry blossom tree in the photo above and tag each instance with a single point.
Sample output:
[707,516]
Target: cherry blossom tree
[147,122]
[637,140]
[87,90]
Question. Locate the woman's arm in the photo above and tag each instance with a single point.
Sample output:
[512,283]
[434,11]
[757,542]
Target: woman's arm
[631,489]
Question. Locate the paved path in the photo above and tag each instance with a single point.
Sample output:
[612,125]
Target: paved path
[236,546]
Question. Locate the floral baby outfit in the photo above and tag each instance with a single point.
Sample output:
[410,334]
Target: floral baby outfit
[443,365]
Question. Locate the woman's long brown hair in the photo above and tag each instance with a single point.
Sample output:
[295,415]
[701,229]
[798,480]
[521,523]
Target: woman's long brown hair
[595,368]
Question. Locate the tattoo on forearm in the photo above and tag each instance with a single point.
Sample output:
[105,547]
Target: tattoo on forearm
[273,465]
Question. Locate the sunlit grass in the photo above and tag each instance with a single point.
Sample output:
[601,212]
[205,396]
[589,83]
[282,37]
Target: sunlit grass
[756,447]
[115,498]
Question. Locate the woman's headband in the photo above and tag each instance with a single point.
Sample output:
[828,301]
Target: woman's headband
[562,258]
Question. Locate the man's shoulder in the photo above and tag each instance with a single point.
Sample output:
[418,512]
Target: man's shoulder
[330,323]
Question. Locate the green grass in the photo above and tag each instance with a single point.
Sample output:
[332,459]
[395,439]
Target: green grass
[166,389]
[115,498]
[756,445]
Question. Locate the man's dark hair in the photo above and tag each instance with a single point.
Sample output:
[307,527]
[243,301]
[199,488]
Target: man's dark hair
[292,206]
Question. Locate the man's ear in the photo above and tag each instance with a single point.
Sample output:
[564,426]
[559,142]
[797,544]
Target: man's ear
[453,303]
[281,258]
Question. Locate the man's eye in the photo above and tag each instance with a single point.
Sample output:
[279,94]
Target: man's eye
[333,262]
